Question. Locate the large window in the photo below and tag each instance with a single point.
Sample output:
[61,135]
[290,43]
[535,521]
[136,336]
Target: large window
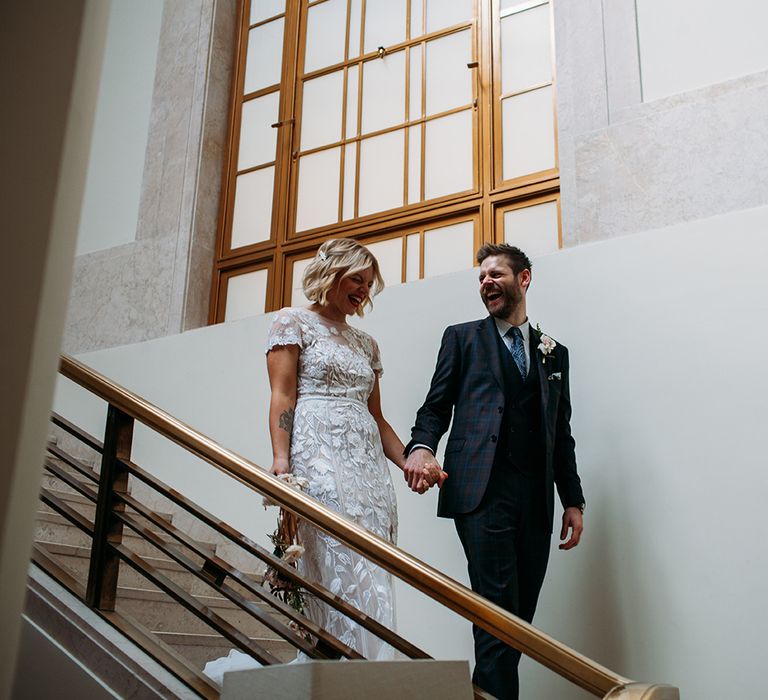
[422,128]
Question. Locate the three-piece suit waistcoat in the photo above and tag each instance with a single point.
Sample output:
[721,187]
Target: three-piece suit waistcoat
[521,443]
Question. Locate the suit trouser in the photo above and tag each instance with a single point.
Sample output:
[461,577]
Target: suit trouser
[506,541]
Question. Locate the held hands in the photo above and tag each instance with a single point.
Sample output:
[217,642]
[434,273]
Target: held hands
[422,471]
[573,520]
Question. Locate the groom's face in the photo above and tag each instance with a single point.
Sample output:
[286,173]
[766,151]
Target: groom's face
[500,289]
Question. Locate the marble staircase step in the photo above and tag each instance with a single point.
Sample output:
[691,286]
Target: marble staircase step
[53,483]
[76,560]
[52,527]
[86,507]
[158,612]
[139,599]
[199,649]
[210,540]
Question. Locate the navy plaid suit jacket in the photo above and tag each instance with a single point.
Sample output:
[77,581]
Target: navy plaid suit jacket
[468,385]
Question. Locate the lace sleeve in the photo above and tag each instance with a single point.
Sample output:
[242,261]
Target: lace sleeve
[285,331]
[376,365]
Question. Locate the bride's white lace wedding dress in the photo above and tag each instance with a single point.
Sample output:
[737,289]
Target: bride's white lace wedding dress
[335,445]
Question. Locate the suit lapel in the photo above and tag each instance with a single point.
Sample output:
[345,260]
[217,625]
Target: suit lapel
[488,338]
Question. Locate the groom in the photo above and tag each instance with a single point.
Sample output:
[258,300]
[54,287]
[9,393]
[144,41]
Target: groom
[506,386]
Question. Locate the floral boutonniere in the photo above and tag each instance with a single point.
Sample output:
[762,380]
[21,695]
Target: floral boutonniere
[546,344]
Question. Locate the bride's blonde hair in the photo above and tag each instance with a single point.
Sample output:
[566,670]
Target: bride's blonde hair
[337,258]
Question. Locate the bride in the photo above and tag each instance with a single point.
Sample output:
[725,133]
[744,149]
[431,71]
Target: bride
[326,425]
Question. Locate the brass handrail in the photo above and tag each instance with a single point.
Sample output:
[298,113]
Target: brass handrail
[559,658]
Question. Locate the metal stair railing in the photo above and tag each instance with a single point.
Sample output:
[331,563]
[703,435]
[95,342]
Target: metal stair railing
[116,508]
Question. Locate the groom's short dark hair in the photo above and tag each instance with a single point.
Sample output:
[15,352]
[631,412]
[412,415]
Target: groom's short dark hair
[518,260]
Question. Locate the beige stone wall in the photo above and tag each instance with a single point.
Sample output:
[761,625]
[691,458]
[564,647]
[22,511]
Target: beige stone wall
[159,284]
[630,162]
[627,164]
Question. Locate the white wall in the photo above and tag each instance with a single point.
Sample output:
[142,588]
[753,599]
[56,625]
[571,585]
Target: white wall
[116,167]
[665,331]
[688,44]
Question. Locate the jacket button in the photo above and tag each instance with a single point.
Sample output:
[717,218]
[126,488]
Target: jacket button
[501,409]
[493,438]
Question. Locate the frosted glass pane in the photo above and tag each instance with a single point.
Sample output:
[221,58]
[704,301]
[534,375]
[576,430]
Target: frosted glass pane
[264,60]
[350,161]
[258,139]
[414,97]
[526,53]
[528,133]
[252,218]
[533,229]
[384,23]
[355,18]
[318,197]
[417,18]
[412,257]
[448,249]
[445,13]
[381,172]
[449,81]
[326,31]
[246,295]
[448,155]
[390,256]
[414,164]
[321,110]
[297,289]
[352,92]
[264,9]
[384,92]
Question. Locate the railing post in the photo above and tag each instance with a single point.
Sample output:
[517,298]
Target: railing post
[104,566]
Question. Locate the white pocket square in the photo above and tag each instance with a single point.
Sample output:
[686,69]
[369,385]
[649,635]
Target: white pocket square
[554,375]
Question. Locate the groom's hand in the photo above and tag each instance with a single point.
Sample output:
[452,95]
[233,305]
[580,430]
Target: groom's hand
[422,470]
[573,520]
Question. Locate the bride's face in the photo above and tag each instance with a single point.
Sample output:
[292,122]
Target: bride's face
[349,292]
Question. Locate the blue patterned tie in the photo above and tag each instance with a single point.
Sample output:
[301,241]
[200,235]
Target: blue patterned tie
[518,350]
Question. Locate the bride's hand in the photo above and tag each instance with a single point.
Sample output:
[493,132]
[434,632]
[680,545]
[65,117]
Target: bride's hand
[431,475]
[280,466]
[422,486]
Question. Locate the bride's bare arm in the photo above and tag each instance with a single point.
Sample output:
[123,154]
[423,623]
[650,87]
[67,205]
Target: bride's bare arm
[393,448]
[282,367]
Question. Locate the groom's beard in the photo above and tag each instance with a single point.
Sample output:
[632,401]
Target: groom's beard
[511,299]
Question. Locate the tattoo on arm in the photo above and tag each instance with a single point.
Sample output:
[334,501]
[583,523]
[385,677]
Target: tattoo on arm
[286,420]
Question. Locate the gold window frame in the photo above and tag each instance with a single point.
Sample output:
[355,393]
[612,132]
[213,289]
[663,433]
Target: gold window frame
[488,198]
